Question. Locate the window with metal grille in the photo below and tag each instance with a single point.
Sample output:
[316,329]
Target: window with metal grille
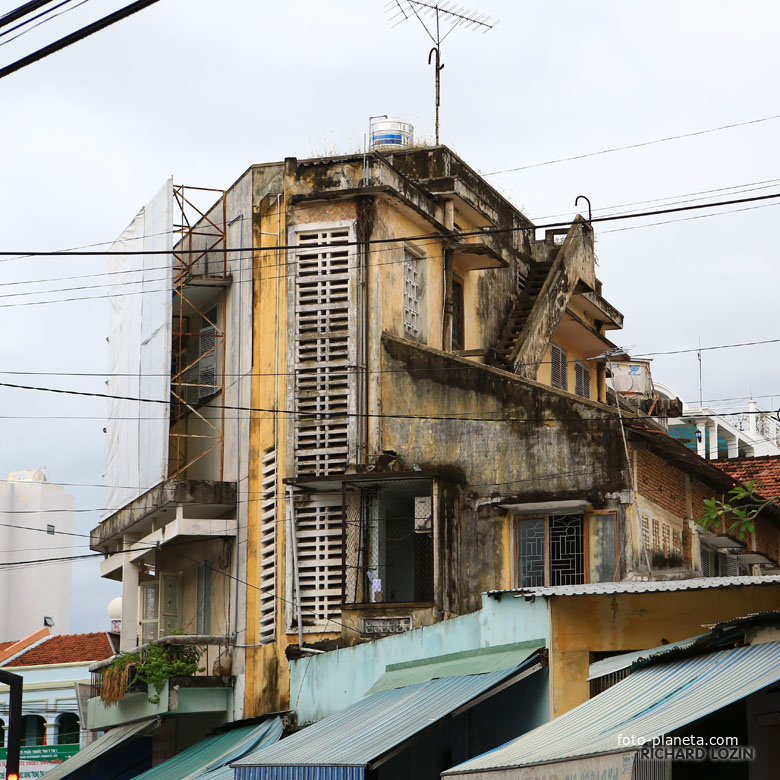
[323,351]
[318,536]
[268,548]
[412,294]
[558,368]
[388,541]
[551,551]
[582,380]
[207,353]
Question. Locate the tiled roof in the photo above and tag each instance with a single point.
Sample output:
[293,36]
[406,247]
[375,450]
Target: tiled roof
[655,586]
[3,645]
[764,471]
[66,648]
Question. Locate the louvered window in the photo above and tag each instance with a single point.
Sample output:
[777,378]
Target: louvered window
[318,534]
[268,548]
[207,353]
[582,380]
[412,294]
[558,367]
[323,351]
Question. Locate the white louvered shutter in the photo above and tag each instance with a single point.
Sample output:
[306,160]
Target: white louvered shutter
[582,380]
[268,548]
[323,351]
[207,365]
[318,524]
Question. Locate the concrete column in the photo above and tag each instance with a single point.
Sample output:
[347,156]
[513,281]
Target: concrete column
[51,732]
[128,639]
[701,438]
[753,417]
[712,427]
[733,442]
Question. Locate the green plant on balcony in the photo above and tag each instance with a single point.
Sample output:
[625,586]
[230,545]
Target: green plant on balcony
[152,666]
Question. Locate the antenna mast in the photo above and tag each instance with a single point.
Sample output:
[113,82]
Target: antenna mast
[443,18]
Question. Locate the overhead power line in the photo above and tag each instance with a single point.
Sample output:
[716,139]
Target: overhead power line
[398,239]
[77,36]
[22,10]
[634,146]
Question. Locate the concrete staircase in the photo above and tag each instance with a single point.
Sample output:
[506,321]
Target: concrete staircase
[518,316]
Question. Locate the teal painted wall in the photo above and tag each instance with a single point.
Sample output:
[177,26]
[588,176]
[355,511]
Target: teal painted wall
[323,684]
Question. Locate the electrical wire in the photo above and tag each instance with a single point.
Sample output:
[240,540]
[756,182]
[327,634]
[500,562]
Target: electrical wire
[76,36]
[634,146]
[48,19]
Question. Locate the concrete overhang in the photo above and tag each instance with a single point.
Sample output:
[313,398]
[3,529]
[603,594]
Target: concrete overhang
[721,541]
[180,529]
[753,558]
[199,291]
[203,499]
[573,506]
[574,331]
[597,308]
[332,482]
[476,255]
[415,207]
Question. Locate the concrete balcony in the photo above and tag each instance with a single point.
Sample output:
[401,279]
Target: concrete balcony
[182,696]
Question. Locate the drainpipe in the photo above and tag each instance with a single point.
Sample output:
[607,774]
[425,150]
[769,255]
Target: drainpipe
[449,224]
[238,421]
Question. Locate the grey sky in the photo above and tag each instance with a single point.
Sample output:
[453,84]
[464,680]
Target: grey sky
[202,90]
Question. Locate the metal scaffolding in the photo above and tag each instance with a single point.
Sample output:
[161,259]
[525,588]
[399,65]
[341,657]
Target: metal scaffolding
[200,274]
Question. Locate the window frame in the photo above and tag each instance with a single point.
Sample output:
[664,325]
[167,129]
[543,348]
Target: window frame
[413,327]
[548,569]
[555,362]
[582,369]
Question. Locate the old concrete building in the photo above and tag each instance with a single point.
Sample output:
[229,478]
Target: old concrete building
[388,395]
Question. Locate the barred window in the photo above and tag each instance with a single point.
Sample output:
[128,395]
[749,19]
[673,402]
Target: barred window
[550,551]
[412,295]
[558,368]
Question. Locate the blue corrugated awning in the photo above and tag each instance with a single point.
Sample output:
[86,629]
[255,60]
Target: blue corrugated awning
[342,746]
[649,703]
[206,758]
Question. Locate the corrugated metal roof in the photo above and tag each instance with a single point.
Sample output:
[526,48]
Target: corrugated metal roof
[109,741]
[480,661]
[204,758]
[363,732]
[609,588]
[617,662]
[650,702]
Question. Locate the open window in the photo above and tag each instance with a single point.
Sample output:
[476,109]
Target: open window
[388,541]
[550,550]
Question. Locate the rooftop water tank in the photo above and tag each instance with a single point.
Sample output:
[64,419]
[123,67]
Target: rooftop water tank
[391,133]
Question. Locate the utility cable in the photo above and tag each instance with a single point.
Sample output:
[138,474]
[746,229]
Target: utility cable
[75,37]
[635,146]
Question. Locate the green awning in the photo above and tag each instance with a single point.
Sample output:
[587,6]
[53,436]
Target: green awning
[479,661]
[215,752]
[102,746]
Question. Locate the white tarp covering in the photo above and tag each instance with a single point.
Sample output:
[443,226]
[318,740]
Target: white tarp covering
[139,354]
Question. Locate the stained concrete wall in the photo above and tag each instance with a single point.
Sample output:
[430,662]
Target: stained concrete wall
[544,445]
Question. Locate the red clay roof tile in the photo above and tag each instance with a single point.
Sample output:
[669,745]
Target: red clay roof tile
[66,648]
[763,471]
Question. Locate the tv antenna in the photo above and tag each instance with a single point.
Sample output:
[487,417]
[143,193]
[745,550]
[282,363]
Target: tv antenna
[442,19]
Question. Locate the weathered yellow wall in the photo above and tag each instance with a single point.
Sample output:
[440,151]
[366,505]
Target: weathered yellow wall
[581,625]
[574,354]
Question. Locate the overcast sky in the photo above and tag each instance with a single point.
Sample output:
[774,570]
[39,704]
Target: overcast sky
[201,90]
